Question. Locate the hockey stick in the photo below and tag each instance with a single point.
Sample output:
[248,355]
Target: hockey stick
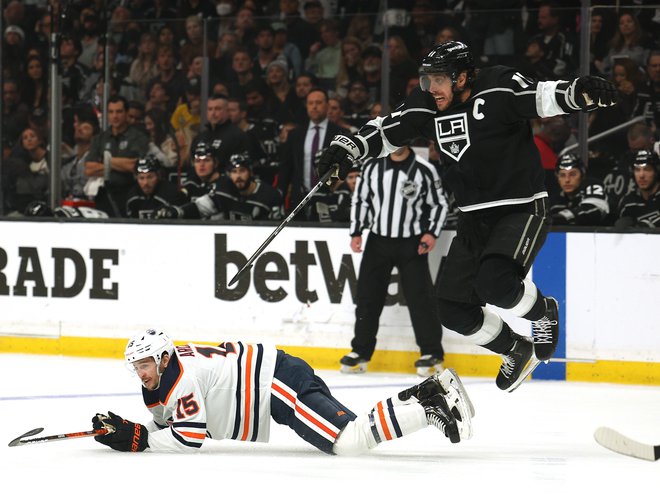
[63,436]
[248,265]
[617,442]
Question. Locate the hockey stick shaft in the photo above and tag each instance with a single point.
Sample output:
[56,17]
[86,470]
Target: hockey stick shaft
[248,265]
[22,440]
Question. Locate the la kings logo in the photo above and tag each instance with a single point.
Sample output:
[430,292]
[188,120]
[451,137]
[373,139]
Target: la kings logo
[453,135]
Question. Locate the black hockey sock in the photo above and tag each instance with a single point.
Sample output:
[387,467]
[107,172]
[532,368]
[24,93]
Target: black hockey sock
[503,342]
[538,309]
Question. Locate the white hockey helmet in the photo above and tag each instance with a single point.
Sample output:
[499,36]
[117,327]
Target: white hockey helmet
[148,343]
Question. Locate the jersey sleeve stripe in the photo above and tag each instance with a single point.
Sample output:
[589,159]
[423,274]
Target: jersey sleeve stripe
[239,373]
[181,440]
[383,421]
[395,423]
[257,396]
[248,393]
[304,413]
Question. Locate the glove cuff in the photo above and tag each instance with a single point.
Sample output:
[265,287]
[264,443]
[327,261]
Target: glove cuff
[349,144]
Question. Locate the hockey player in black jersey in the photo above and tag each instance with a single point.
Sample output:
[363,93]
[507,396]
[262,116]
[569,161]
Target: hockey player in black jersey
[582,200]
[236,195]
[641,208]
[480,122]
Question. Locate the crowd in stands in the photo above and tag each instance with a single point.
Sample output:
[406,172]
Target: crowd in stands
[282,77]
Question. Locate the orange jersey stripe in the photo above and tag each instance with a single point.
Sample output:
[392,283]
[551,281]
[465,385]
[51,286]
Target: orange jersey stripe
[248,393]
[201,436]
[307,416]
[383,422]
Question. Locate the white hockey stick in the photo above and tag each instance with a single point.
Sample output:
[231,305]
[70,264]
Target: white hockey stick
[617,442]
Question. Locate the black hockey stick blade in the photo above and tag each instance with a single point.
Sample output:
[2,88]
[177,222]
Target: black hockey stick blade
[296,210]
[17,440]
[23,440]
[618,442]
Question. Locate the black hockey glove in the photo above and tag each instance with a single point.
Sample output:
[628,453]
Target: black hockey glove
[124,435]
[590,93]
[339,157]
[168,212]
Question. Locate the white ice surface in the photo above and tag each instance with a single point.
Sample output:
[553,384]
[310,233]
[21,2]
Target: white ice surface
[535,444]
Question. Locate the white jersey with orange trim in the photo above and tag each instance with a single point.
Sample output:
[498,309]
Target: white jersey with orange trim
[212,391]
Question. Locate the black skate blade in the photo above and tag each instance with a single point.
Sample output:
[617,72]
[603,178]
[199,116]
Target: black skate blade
[31,433]
[533,363]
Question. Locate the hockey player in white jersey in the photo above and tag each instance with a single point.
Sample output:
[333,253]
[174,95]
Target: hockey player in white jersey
[195,392]
[479,120]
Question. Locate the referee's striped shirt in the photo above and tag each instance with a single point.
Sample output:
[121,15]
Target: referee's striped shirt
[378,202]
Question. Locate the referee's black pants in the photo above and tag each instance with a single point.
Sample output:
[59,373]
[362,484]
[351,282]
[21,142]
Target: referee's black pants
[381,255]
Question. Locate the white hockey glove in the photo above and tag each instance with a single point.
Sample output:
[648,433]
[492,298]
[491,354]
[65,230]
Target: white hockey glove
[591,93]
[339,157]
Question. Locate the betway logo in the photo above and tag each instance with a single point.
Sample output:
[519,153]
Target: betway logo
[272,273]
[30,273]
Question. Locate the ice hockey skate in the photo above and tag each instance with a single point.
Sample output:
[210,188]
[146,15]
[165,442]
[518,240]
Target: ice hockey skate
[438,415]
[518,363]
[449,386]
[546,331]
[353,363]
[428,365]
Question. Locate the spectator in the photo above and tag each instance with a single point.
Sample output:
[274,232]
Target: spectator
[372,59]
[600,37]
[286,49]
[143,68]
[74,74]
[629,81]
[652,105]
[201,8]
[166,37]
[158,99]
[89,39]
[113,155]
[356,105]
[418,206]
[304,83]
[559,48]
[324,56]
[641,207]
[242,67]
[74,179]
[224,51]
[171,79]
[628,42]
[402,68]
[492,25]
[219,133]
[32,179]
[14,112]
[350,64]
[297,172]
[151,191]
[186,119]
[163,145]
[244,27]
[283,93]
[447,34]
[194,43]
[266,53]
[13,51]
[361,27]
[261,103]
[301,33]
[336,115]
[34,92]
[536,65]
[582,200]
[136,114]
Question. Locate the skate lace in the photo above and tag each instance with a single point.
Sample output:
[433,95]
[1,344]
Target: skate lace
[434,419]
[542,330]
[508,365]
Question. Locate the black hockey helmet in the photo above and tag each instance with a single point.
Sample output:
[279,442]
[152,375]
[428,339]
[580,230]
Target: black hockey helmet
[451,58]
[644,158]
[147,164]
[38,209]
[203,150]
[243,160]
[569,161]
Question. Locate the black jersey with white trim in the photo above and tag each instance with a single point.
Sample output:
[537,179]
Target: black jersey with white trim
[486,142]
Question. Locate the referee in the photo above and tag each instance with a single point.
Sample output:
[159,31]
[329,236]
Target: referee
[399,198]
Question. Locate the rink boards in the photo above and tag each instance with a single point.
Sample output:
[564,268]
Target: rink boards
[80,288]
